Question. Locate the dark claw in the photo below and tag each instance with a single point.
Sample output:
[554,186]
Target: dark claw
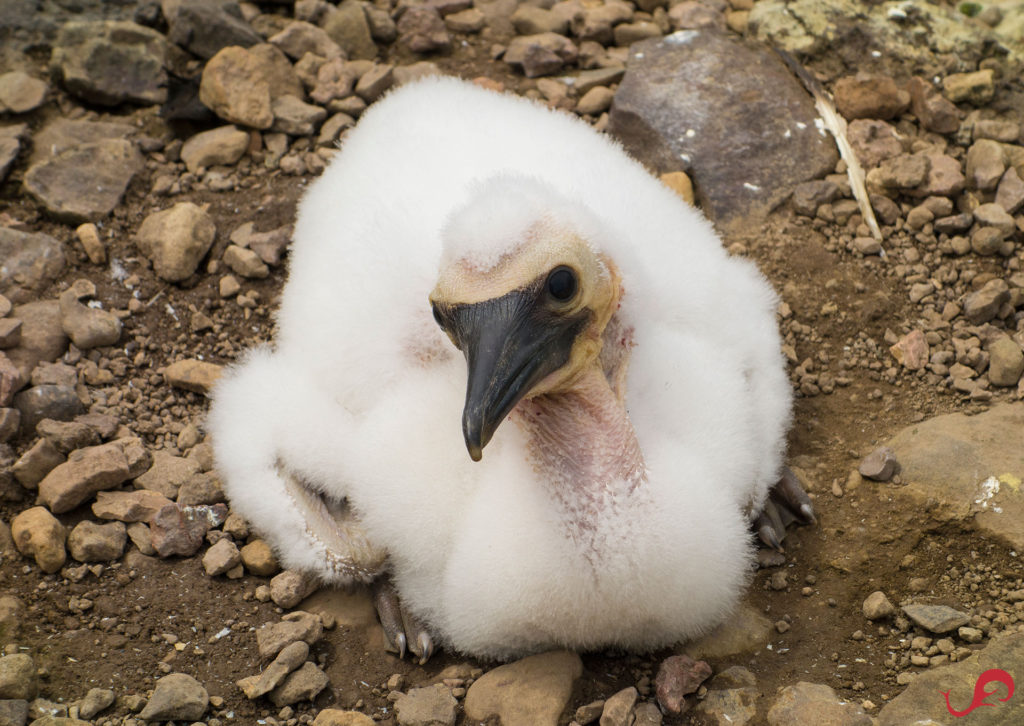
[426,647]
[767,532]
[787,502]
[402,633]
[791,495]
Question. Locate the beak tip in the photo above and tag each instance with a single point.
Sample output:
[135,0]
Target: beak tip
[475,452]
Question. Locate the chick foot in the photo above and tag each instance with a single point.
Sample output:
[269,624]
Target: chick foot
[402,631]
[787,503]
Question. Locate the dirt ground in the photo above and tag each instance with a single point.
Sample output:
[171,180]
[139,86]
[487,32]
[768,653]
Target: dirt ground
[142,606]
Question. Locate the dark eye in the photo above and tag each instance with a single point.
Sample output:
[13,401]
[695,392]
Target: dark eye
[562,284]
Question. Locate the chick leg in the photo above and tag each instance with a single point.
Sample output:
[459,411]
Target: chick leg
[400,628]
[787,502]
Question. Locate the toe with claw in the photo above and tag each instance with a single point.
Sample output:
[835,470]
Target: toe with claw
[787,502]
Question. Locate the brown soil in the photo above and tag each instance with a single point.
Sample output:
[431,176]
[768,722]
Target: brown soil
[862,542]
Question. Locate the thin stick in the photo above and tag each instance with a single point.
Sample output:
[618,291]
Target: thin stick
[837,127]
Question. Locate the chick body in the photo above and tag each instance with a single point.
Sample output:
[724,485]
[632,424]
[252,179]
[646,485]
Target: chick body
[363,393]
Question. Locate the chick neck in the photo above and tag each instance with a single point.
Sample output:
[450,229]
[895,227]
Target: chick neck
[581,440]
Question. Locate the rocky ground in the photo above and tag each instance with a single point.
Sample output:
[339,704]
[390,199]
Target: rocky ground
[151,155]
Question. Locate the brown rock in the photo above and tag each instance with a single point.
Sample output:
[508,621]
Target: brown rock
[193,375]
[180,530]
[870,96]
[91,542]
[334,79]
[38,534]
[36,463]
[167,474]
[541,54]
[224,145]
[873,141]
[299,38]
[289,588]
[290,658]
[176,240]
[533,691]
[880,464]
[935,112]
[303,684]
[239,84]
[986,163]
[88,327]
[137,506]
[815,703]
[84,183]
[1006,361]
[221,557]
[86,472]
[678,676]
[272,638]
[259,559]
[349,26]
[982,305]
[911,351]
[422,30]
[20,92]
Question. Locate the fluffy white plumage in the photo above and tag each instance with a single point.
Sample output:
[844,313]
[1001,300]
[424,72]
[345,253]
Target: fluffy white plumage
[362,395]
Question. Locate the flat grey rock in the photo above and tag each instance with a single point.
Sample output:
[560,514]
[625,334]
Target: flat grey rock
[726,111]
[85,183]
[936,618]
[31,261]
[110,62]
[960,467]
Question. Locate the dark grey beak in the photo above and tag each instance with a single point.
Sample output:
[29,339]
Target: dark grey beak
[511,343]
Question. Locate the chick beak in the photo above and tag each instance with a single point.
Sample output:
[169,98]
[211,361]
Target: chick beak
[510,345]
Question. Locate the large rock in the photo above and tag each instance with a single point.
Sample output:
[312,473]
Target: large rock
[430,706]
[807,703]
[47,400]
[110,62]
[176,240]
[17,677]
[90,470]
[743,157]
[177,696]
[86,182]
[240,84]
[224,145]
[533,691]
[92,542]
[205,26]
[42,336]
[62,134]
[39,535]
[31,261]
[746,630]
[960,467]
[349,28]
[925,697]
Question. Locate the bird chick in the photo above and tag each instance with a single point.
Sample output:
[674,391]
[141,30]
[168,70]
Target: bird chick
[524,276]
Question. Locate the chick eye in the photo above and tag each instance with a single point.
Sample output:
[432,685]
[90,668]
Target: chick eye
[562,284]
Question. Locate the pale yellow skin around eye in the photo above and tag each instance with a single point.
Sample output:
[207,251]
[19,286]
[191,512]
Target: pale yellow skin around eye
[543,248]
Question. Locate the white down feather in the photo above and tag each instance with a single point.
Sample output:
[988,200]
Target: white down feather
[363,393]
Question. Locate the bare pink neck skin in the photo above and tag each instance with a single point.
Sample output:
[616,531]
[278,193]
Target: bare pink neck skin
[582,441]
